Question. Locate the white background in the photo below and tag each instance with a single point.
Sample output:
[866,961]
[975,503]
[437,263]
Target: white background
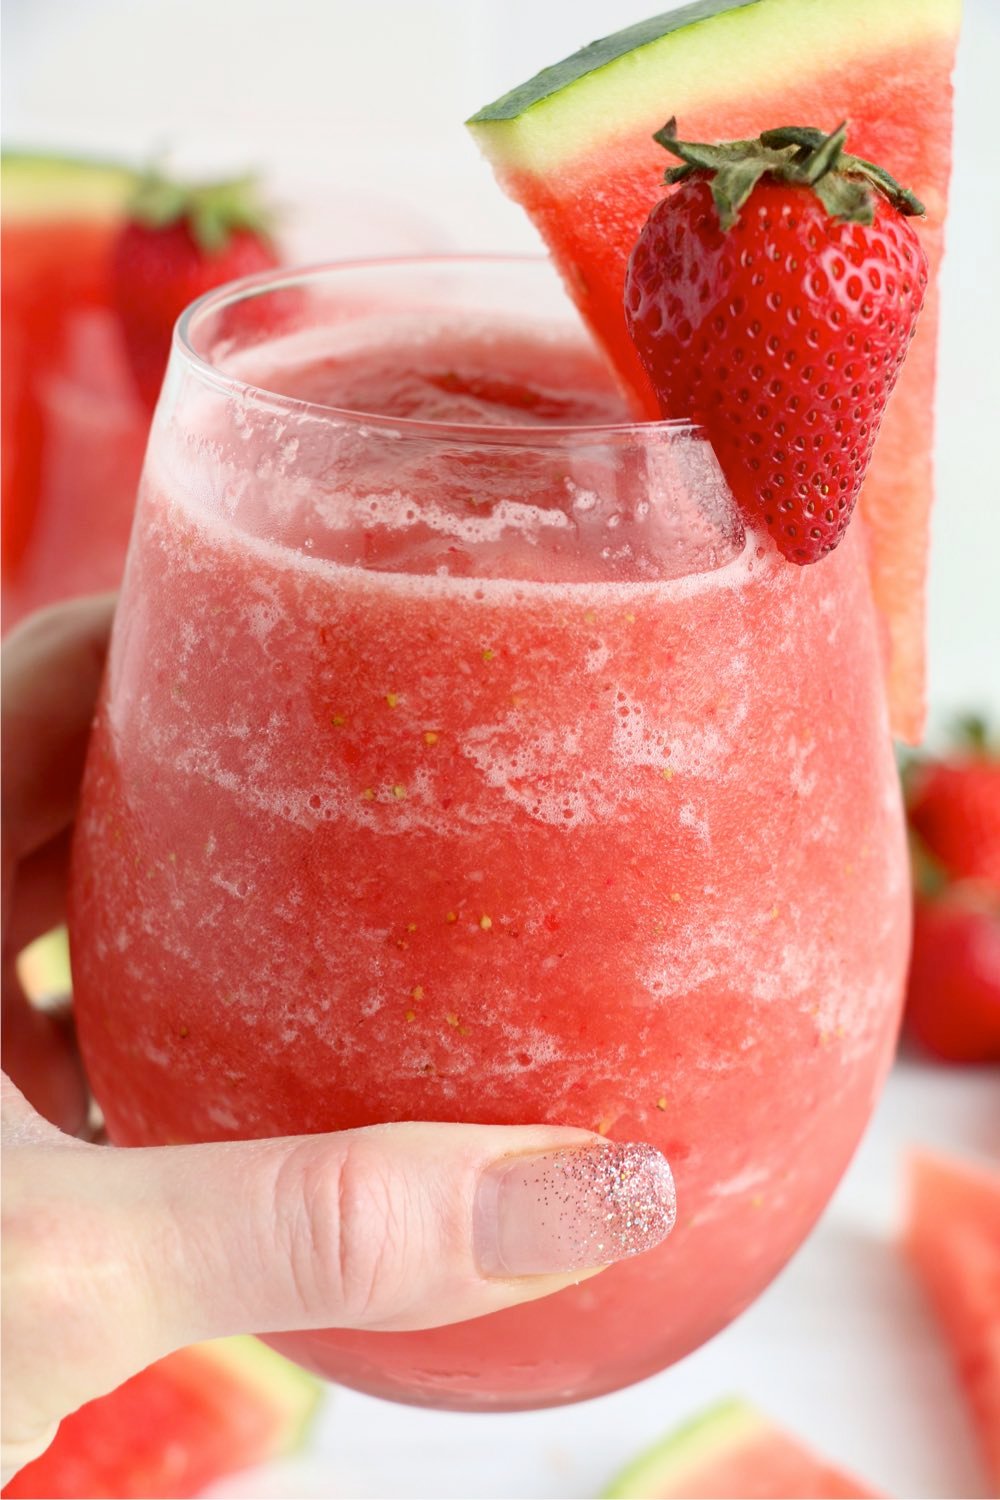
[354,107]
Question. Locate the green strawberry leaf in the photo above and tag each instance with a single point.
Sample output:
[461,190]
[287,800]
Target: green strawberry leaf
[798,154]
[213,211]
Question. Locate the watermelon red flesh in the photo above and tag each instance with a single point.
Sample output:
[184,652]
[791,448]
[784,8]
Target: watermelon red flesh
[59,219]
[588,172]
[50,270]
[733,1450]
[952,1239]
[172,1430]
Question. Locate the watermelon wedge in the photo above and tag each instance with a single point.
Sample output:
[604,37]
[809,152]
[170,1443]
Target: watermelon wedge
[574,147]
[60,215]
[732,1450]
[952,1240]
[177,1427]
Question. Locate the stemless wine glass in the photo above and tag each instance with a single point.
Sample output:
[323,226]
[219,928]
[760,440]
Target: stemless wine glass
[458,770]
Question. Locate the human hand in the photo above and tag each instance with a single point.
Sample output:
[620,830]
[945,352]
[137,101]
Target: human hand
[115,1257]
[52,666]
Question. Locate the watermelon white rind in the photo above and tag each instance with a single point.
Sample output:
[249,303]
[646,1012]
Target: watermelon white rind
[733,1450]
[291,1393]
[661,1469]
[599,54]
[39,186]
[686,58]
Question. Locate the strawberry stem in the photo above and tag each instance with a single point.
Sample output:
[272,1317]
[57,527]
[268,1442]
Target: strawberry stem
[972,732]
[213,211]
[793,153]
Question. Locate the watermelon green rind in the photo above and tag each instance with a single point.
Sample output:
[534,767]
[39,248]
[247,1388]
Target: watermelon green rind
[36,185]
[599,54]
[198,1414]
[729,1424]
[291,1393]
[626,80]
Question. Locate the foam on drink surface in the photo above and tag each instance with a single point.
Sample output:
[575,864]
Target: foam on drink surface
[420,448]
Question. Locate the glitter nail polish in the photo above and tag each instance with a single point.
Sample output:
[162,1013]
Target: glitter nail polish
[572,1209]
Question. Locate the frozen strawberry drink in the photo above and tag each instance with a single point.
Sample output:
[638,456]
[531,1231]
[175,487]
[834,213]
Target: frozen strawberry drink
[463,757]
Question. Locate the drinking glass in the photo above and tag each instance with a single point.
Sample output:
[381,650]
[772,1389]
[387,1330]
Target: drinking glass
[454,769]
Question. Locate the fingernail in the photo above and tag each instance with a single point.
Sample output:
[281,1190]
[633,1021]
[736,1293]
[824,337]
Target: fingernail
[572,1209]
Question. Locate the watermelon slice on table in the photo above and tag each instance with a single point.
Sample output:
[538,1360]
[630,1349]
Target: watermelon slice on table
[732,1450]
[952,1240]
[574,147]
[60,216]
[175,1428]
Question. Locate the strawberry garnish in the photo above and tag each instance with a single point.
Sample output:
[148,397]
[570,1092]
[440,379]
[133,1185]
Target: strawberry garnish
[953,807]
[771,297]
[179,242]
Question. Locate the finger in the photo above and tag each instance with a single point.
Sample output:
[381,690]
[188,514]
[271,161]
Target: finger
[22,1124]
[394,1227]
[52,665]
[38,897]
[40,1056]
[29,1424]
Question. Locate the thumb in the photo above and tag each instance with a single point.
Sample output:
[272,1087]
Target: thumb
[117,1256]
[390,1228]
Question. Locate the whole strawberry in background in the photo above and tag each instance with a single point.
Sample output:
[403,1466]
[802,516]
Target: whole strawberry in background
[179,242]
[953,808]
[771,298]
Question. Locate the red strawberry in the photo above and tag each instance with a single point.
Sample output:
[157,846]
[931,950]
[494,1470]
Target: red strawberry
[954,807]
[953,993]
[771,298]
[178,243]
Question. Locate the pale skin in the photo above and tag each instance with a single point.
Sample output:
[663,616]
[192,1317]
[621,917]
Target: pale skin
[113,1258]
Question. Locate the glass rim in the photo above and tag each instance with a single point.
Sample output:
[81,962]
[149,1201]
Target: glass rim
[482,433]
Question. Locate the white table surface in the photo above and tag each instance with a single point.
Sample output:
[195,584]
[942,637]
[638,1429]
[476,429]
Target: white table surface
[840,1349]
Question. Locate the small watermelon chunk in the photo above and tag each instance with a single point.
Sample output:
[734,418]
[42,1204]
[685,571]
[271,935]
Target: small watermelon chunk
[60,215]
[952,1240]
[175,1428]
[574,147]
[733,1450]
